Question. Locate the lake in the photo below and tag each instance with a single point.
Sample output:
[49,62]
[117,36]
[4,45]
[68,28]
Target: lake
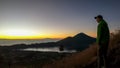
[52,49]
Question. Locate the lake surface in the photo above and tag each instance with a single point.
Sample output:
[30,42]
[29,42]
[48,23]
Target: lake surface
[52,49]
[12,42]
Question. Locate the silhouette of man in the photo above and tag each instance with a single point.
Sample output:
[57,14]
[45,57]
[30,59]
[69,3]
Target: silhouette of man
[103,36]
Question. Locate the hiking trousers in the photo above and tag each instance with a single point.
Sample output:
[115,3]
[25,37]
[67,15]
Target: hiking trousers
[102,55]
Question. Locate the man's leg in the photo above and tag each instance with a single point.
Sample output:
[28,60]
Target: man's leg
[105,61]
[105,55]
[100,57]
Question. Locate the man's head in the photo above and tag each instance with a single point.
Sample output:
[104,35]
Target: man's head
[99,18]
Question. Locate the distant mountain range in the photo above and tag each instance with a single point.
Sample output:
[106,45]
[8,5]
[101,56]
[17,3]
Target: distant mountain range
[78,42]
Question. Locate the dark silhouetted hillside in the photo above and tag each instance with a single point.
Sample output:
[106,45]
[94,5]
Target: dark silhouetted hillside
[88,57]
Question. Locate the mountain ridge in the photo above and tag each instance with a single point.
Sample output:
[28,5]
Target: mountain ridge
[78,42]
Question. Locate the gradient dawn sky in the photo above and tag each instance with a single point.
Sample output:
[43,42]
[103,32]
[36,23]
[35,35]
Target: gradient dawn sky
[34,19]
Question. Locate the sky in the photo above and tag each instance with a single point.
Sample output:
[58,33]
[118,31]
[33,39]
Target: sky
[35,19]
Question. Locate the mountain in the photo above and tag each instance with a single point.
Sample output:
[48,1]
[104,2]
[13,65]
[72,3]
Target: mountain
[78,42]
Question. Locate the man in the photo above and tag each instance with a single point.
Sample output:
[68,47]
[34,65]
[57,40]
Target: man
[103,36]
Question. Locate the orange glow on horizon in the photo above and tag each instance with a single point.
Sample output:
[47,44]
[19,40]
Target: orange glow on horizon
[27,34]
[55,36]
[29,37]
[92,34]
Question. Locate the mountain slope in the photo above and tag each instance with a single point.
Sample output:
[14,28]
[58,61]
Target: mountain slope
[77,60]
[78,42]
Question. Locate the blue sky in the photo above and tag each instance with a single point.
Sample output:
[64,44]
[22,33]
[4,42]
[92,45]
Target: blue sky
[57,17]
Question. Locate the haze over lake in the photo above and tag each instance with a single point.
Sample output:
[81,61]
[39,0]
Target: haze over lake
[5,42]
